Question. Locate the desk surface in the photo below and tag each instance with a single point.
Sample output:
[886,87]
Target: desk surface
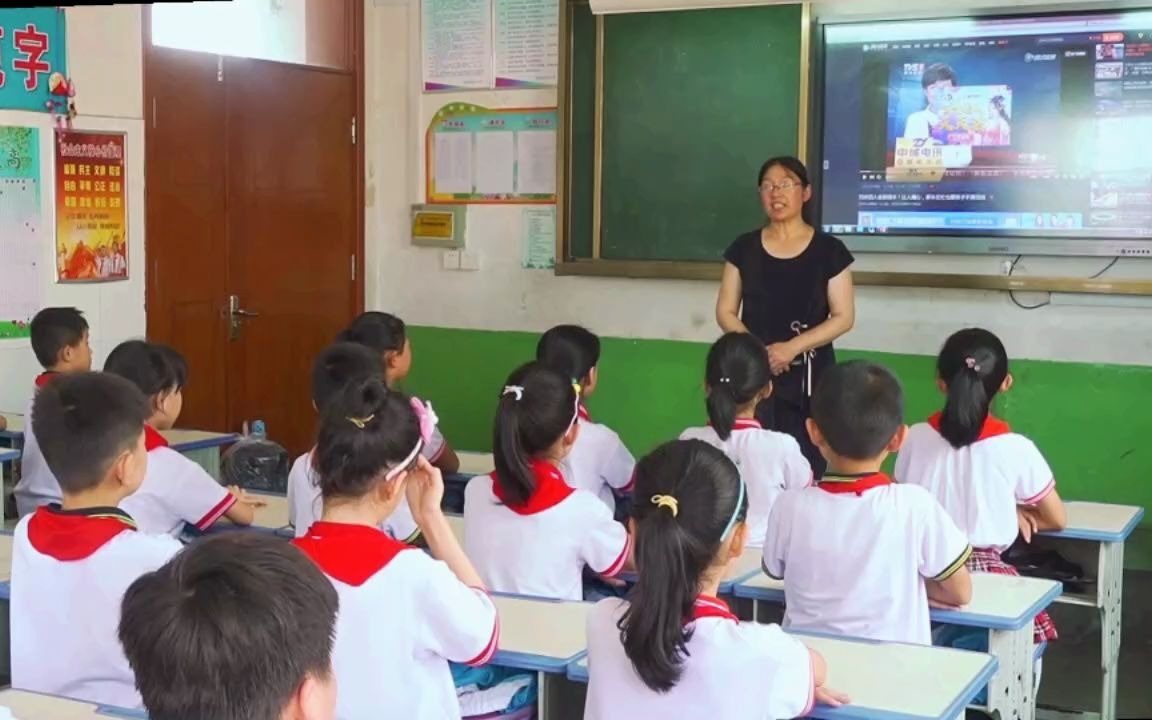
[35,706]
[274,514]
[8,455]
[540,635]
[1101,522]
[935,683]
[473,463]
[15,429]
[999,602]
[181,440]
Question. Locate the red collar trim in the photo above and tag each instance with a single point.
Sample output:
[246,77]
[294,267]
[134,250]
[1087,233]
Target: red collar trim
[858,486]
[707,606]
[69,535]
[349,553]
[45,377]
[747,424]
[991,428]
[551,489]
[153,439]
[583,413]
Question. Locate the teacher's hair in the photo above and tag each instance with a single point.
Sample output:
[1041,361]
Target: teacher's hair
[674,548]
[973,364]
[737,371]
[794,167]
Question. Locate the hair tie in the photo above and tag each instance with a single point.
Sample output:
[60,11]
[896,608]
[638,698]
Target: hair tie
[667,501]
[725,380]
[971,363]
[517,390]
[361,422]
[576,387]
[427,417]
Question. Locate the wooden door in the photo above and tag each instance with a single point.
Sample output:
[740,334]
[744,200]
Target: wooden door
[292,227]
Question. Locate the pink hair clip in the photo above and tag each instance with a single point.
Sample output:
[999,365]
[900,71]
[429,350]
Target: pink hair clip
[971,363]
[427,417]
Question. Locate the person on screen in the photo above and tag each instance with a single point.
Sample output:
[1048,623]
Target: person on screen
[938,81]
[999,131]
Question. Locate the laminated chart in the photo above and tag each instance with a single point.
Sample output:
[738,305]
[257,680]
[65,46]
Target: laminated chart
[22,235]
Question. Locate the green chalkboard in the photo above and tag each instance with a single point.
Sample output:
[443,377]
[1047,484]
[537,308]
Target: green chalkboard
[694,102]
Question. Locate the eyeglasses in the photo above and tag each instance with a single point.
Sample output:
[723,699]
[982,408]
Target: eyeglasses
[779,187]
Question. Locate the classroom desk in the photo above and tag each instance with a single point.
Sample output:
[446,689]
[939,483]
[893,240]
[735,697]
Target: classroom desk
[474,463]
[15,431]
[540,636]
[744,568]
[9,455]
[1094,538]
[1003,605]
[935,683]
[36,706]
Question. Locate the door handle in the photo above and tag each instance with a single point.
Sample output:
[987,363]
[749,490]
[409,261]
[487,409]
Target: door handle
[236,317]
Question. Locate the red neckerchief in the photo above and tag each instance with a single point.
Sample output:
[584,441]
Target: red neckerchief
[45,377]
[153,439]
[707,606]
[857,485]
[69,535]
[991,428]
[583,413]
[747,424]
[551,489]
[349,553]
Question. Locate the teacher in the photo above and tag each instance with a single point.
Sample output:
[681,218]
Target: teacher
[790,285]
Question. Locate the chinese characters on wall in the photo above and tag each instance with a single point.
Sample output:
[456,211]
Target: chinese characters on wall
[31,51]
[91,213]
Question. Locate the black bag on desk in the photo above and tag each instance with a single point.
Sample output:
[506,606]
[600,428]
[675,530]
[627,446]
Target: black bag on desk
[1047,564]
[256,464]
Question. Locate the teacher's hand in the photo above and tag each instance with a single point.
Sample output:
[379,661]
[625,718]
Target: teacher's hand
[780,357]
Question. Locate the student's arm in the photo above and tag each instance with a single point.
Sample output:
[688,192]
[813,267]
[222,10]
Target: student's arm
[776,541]
[944,551]
[955,591]
[607,546]
[425,491]
[728,300]
[618,467]
[243,511]
[1048,514]
[1039,505]
[195,496]
[449,461]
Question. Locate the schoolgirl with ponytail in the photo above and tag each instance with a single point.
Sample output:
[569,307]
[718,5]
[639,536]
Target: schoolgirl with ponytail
[737,378]
[673,649]
[404,614]
[993,482]
[526,529]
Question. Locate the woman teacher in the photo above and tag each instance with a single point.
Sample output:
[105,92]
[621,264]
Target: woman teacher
[790,285]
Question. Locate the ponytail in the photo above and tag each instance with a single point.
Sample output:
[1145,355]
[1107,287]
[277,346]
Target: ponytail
[737,372]
[536,409]
[973,364]
[696,497]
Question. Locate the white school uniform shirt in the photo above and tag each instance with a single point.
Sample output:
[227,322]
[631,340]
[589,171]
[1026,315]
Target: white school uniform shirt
[540,548]
[731,670]
[403,616]
[37,485]
[769,462]
[599,462]
[979,485]
[306,505]
[854,555]
[175,491]
[920,123]
[69,574]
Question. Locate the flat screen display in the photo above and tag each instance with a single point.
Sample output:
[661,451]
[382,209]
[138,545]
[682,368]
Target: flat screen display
[1034,126]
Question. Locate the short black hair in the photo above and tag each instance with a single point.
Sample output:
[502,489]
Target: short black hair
[379,331]
[339,364]
[570,350]
[83,422]
[937,72]
[54,329]
[152,367]
[228,629]
[858,407]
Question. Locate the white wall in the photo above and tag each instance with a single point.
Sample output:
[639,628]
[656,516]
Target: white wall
[502,296]
[104,58]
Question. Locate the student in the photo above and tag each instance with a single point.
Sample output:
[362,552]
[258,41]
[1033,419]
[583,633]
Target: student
[403,615]
[528,531]
[72,562]
[861,556]
[60,341]
[737,378]
[334,369]
[939,82]
[599,462]
[388,336]
[674,649]
[993,483]
[176,490]
[237,627]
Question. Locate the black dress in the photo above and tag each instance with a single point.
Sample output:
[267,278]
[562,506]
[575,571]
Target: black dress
[781,298]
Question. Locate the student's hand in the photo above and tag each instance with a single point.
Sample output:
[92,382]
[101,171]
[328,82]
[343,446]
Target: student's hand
[830,697]
[780,357]
[1027,522]
[612,581]
[425,491]
[242,496]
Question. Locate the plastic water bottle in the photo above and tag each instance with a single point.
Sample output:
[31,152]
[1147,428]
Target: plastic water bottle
[258,431]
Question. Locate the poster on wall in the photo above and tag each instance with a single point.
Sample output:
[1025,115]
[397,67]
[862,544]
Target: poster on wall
[475,154]
[527,39]
[91,207]
[457,44]
[22,240]
[32,59]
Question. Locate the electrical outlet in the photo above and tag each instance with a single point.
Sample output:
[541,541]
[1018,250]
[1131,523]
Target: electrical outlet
[450,260]
[469,260]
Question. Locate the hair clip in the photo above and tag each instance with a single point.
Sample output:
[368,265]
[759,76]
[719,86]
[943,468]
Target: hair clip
[427,417]
[517,390]
[667,501]
[361,422]
[576,387]
[725,380]
[971,363]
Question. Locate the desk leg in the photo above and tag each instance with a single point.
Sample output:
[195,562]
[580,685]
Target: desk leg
[542,704]
[1010,691]
[1110,578]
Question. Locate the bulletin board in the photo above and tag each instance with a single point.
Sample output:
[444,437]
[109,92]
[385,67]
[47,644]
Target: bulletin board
[22,233]
[479,155]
